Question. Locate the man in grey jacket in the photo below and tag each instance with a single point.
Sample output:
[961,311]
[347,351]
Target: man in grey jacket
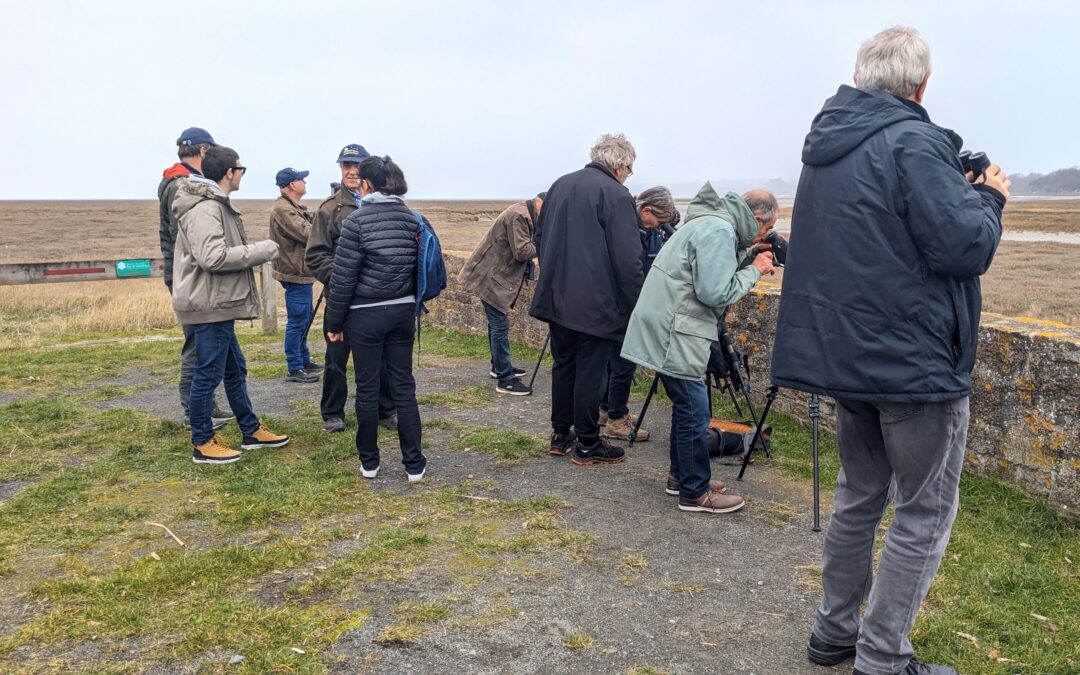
[213,285]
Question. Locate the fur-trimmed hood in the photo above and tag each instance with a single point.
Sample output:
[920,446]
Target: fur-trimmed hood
[194,189]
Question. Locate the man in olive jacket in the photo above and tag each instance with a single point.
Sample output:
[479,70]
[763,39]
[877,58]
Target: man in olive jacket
[496,272]
[590,277]
[319,255]
[703,268]
[213,286]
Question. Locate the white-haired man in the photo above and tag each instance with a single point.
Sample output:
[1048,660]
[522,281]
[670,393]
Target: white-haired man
[590,277]
[880,310]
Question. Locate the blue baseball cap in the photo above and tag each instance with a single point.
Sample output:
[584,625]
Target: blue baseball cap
[288,175]
[195,136]
[353,153]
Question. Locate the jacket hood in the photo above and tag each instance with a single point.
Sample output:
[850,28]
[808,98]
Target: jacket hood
[177,170]
[849,118]
[731,207]
[194,189]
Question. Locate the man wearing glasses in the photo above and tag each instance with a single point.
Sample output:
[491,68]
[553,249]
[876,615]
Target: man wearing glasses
[290,224]
[213,286]
[321,245]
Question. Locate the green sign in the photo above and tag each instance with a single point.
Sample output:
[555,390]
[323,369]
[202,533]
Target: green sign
[132,268]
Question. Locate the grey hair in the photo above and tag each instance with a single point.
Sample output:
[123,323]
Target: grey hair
[762,203]
[613,151]
[658,196]
[897,60]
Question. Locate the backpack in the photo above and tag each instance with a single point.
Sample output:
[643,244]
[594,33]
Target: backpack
[430,267]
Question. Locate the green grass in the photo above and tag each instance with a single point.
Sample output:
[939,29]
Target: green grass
[503,444]
[467,397]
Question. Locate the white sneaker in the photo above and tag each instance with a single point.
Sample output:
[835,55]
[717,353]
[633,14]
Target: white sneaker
[417,477]
[369,474]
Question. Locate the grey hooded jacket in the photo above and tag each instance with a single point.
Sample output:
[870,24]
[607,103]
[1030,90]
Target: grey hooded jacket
[212,265]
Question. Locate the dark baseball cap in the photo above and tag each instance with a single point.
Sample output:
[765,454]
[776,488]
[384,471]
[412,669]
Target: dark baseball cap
[288,175]
[353,153]
[195,136]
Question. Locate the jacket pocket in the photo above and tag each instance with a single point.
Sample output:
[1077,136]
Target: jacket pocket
[688,350]
[231,290]
[963,336]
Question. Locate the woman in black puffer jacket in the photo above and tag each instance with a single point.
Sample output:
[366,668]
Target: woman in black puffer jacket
[372,299]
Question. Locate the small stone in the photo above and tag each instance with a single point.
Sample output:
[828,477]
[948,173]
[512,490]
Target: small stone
[237,658]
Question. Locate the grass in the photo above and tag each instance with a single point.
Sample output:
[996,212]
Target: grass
[503,444]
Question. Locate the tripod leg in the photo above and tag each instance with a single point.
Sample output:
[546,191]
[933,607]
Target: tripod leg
[758,424]
[815,412]
[708,392]
[541,358]
[644,408]
[318,303]
[731,392]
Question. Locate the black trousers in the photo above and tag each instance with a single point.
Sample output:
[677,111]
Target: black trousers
[335,388]
[381,339]
[578,380]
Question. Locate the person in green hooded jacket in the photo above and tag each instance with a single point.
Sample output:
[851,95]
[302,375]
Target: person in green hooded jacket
[704,267]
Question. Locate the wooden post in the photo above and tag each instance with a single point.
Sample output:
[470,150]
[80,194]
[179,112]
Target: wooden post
[269,293]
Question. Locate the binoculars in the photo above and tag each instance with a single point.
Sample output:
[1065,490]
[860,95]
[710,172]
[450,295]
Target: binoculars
[975,162]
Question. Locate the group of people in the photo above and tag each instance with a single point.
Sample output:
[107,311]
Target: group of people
[879,310]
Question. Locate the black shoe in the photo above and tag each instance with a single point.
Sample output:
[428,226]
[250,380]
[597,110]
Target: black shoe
[301,376]
[916,667]
[514,387]
[313,367]
[518,372]
[561,444]
[825,654]
[600,452]
[333,425]
[389,423]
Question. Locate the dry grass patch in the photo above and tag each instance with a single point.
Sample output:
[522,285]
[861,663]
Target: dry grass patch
[579,641]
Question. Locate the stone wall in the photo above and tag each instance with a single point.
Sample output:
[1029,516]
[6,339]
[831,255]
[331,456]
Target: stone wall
[1025,403]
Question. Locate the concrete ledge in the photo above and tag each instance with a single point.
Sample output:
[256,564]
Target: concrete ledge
[1025,402]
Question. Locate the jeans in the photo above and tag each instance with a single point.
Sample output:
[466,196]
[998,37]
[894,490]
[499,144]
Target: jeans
[620,378]
[381,339]
[499,343]
[919,449]
[335,389]
[218,357]
[689,440]
[187,367]
[577,381]
[298,308]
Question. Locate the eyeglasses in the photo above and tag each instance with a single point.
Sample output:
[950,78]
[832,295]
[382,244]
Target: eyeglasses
[629,171]
[239,169]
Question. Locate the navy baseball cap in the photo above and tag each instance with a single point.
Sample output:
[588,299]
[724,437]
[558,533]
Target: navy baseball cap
[195,136]
[288,175]
[353,153]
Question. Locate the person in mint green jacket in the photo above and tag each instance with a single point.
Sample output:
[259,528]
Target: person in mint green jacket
[704,267]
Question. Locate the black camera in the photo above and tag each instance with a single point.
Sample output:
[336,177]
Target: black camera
[975,162]
[779,247]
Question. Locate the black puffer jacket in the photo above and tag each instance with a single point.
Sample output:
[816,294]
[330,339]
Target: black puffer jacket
[375,259]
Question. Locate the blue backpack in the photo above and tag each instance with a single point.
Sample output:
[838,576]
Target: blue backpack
[430,268]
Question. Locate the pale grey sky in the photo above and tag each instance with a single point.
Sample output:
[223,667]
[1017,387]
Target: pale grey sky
[497,99]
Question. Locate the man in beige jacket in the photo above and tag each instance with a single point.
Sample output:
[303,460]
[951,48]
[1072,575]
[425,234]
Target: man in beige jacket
[213,286]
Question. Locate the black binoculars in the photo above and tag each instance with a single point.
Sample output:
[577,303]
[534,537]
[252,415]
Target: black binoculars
[975,162]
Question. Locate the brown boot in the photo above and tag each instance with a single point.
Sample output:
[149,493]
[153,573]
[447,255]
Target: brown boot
[622,428]
[263,438]
[712,502]
[673,486]
[215,451]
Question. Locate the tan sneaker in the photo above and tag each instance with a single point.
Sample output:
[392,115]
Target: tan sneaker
[215,451]
[673,485]
[622,428]
[263,438]
[712,502]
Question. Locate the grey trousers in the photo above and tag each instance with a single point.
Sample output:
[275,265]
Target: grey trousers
[187,369]
[911,453]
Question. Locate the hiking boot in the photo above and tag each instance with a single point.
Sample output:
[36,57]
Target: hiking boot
[416,477]
[389,423]
[600,452]
[673,488]
[313,367]
[263,438]
[514,387]
[215,451]
[916,667]
[302,376]
[712,502]
[333,425]
[622,428]
[369,474]
[825,654]
[517,372]
[561,444]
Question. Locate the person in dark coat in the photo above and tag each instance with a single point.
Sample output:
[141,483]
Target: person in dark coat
[590,277]
[880,310]
[372,301]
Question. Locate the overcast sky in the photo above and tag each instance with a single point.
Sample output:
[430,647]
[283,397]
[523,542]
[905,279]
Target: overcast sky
[497,99]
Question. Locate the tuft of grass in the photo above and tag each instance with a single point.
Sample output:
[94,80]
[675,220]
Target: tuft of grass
[578,641]
[503,444]
[682,587]
[467,397]
[387,557]
[646,670]
[778,513]
[400,634]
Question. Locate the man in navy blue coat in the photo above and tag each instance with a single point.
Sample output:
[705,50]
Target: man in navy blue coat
[880,310]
